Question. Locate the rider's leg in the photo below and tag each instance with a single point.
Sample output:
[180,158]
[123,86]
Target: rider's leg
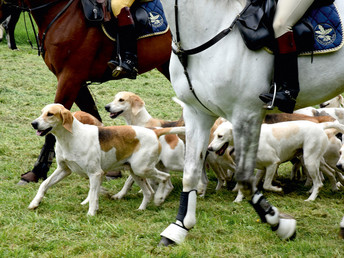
[286,67]
[127,66]
[286,75]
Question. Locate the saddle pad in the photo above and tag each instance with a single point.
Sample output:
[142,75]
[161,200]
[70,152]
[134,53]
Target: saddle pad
[157,23]
[328,29]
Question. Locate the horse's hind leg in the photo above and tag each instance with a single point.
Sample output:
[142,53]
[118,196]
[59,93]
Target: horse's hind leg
[246,135]
[86,103]
[197,138]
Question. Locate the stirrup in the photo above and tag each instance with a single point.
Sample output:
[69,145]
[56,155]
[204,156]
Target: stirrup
[117,71]
[271,105]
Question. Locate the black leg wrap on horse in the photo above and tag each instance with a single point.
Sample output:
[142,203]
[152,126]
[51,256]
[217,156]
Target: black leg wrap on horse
[262,207]
[45,158]
[183,206]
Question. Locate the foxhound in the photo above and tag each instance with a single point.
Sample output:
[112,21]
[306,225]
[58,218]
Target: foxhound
[132,108]
[279,143]
[91,151]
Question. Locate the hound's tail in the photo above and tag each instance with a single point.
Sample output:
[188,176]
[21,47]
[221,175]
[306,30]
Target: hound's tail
[169,130]
[333,125]
[178,101]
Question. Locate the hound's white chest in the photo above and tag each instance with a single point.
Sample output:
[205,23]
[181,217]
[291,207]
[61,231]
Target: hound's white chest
[80,154]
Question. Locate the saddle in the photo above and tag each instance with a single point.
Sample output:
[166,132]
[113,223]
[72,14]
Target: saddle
[255,25]
[148,16]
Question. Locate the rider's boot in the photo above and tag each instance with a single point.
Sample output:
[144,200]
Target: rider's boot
[286,75]
[126,64]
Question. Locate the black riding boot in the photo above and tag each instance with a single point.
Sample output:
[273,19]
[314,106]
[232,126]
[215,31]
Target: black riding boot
[126,64]
[286,75]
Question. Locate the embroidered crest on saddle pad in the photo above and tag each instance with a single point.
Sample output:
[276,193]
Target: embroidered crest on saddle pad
[149,20]
[157,23]
[319,31]
[328,29]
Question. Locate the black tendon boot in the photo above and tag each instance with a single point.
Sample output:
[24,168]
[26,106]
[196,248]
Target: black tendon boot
[286,76]
[126,64]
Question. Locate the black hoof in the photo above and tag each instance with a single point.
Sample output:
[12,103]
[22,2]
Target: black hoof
[341,233]
[166,242]
[292,237]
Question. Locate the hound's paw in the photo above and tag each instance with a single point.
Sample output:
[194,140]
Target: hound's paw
[84,202]
[91,213]
[273,188]
[117,196]
[33,205]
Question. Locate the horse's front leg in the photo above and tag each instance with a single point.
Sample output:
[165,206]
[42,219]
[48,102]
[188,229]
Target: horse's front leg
[246,137]
[69,90]
[197,138]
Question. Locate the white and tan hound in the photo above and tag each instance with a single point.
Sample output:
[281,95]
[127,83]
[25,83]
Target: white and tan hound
[91,151]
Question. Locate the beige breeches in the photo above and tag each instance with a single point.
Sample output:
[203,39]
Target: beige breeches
[117,5]
[288,13]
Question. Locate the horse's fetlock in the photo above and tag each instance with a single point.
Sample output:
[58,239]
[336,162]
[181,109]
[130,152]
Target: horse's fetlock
[265,210]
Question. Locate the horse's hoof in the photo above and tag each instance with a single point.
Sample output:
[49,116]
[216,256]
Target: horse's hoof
[28,177]
[113,175]
[341,233]
[166,242]
[174,233]
[22,182]
[287,227]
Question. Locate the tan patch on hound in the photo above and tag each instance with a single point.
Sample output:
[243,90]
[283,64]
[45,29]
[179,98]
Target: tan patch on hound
[153,123]
[122,138]
[86,118]
[57,111]
[135,101]
[172,140]
[285,132]
[339,114]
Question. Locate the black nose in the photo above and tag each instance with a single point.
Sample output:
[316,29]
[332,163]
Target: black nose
[34,124]
[339,166]
[107,108]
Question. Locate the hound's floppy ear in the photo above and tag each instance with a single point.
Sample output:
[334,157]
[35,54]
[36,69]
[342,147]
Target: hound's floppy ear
[137,105]
[67,119]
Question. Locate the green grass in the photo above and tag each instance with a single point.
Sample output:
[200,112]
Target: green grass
[59,227]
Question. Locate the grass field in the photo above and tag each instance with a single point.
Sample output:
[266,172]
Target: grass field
[60,227]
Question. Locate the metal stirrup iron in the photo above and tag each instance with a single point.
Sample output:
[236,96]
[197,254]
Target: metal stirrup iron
[271,105]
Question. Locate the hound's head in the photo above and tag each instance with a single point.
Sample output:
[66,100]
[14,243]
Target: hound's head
[223,136]
[126,104]
[336,102]
[53,116]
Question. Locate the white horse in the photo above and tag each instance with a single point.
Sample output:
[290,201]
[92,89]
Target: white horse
[227,78]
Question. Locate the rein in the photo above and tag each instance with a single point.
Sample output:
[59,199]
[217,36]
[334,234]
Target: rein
[183,54]
[30,10]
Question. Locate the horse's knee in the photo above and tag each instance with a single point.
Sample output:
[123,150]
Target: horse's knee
[190,181]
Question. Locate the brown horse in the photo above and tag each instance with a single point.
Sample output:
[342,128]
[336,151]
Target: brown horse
[78,53]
